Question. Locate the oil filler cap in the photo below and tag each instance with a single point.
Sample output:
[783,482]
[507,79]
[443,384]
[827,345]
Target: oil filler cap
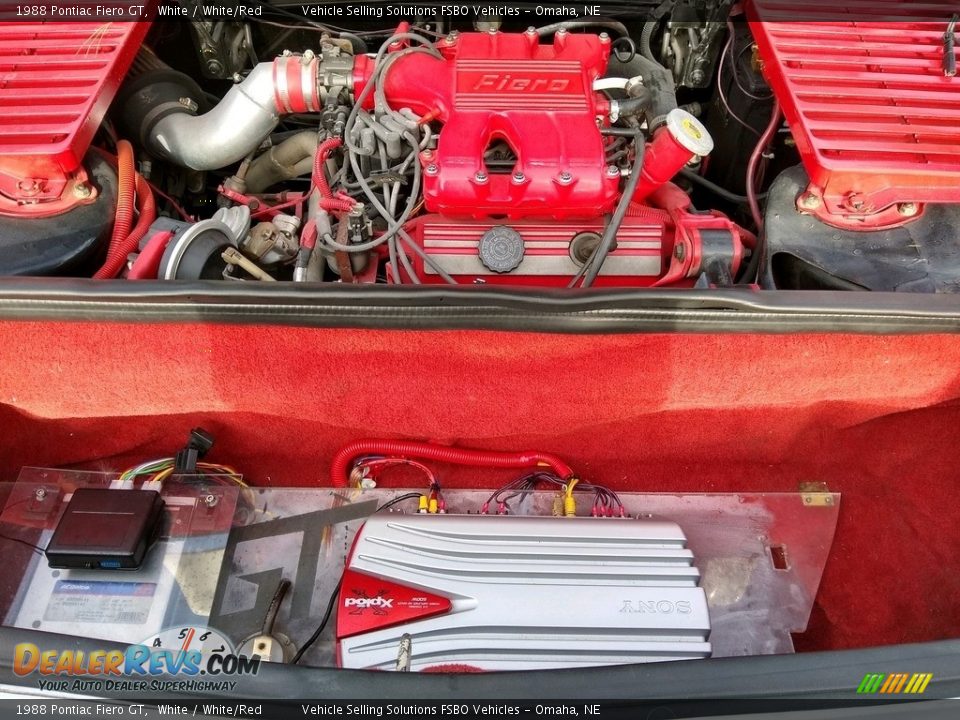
[501,249]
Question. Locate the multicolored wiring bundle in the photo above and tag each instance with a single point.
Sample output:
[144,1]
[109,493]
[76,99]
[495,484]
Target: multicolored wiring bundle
[364,469]
[606,502]
[157,471]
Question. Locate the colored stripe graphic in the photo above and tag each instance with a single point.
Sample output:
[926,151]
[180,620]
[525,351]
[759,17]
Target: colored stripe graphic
[894,683]
[870,683]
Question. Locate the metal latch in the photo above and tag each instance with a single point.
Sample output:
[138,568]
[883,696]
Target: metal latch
[949,39]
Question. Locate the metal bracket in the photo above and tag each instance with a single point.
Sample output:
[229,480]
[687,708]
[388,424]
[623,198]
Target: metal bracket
[815,494]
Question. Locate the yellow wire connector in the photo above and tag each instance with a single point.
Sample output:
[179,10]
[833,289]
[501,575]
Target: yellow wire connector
[569,503]
[423,504]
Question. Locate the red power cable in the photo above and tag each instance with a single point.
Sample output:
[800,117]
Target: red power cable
[340,468]
[123,219]
[122,247]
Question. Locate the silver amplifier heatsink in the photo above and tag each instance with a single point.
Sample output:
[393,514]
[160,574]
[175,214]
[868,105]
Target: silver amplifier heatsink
[516,593]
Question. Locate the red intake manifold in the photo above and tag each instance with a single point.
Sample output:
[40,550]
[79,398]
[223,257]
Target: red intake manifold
[538,98]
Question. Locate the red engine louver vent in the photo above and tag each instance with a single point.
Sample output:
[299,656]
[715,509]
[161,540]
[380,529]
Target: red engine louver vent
[862,85]
[56,82]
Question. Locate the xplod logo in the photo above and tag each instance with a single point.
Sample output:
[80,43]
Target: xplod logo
[379,603]
[894,683]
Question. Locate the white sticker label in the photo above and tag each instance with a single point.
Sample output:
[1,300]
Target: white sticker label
[94,601]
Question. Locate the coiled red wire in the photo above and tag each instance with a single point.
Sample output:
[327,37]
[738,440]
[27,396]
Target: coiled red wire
[327,200]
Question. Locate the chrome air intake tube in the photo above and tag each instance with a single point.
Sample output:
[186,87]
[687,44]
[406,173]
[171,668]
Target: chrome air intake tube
[161,109]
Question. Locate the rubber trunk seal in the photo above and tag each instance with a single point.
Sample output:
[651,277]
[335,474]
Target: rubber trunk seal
[588,312]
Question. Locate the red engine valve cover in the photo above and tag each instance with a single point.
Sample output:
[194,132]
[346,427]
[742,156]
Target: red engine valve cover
[56,82]
[875,118]
[643,246]
[538,98]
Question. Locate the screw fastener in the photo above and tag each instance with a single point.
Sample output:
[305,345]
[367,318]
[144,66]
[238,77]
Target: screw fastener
[854,201]
[809,201]
[29,186]
[908,209]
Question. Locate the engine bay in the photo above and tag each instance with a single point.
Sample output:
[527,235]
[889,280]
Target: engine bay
[671,145]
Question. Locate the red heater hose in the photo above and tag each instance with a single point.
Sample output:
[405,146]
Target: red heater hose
[340,469]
